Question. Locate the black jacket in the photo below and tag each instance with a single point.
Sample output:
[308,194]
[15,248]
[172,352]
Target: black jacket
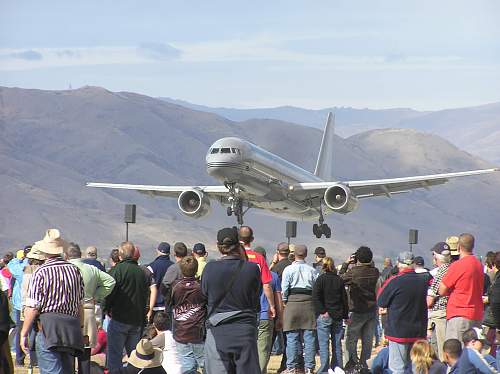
[405,297]
[494,299]
[362,281]
[329,295]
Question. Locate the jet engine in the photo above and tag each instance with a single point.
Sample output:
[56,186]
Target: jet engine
[339,198]
[193,203]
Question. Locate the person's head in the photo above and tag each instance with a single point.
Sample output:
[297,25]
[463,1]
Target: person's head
[163,249]
[465,244]
[283,250]
[199,250]
[180,251]
[7,258]
[441,253]
[300,252]
[114,256]
[490,260]
[161,321]
[406,260]
[320,253]
[246,235]
[328,266]
[126,251]
[387,262]
[474,338]
[72,252]
[421,356]
[496,260]
[189,266]
[452,350]
[419,262]
[91,252]
[364,255]
[228,242]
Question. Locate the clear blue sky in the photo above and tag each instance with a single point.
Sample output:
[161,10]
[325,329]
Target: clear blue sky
[378,54]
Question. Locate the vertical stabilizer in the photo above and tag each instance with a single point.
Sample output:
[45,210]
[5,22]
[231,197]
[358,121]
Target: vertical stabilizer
[324,165]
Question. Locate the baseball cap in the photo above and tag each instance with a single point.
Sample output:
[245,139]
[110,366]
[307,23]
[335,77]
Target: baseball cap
[452,241]
[227,235]
[474,333]
[300,250]
[199,249]
[20,254]
[283,248]
[419,260]
[164,247]
[406,258]
[441,248]
[320,251]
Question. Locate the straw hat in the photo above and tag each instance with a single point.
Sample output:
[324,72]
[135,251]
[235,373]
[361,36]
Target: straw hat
[145,356]
[52,243]
[35,254]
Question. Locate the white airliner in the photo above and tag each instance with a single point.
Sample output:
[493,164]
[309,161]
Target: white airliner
[255,178]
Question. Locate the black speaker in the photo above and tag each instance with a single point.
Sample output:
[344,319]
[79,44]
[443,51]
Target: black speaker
[413,237]
[291,229]
[129,213]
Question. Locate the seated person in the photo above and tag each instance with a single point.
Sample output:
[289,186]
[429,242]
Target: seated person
[164,340]
[145,359]
[452,350]
[102,341]
[424,360]
[380,364]
[471,360]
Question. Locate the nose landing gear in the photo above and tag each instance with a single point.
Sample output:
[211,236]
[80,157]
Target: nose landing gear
[236,202]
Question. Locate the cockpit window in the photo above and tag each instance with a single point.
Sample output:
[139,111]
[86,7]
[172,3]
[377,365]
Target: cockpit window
[214,150]
[225,150]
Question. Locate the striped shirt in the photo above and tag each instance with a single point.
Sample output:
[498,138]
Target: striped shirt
[56,287]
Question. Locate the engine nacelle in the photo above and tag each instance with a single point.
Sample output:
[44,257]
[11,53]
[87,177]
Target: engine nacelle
[339,198]
[193,203]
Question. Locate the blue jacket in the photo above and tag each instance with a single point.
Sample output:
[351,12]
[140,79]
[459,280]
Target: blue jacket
[158,268]
[380,364]
[16,267]
[472,362]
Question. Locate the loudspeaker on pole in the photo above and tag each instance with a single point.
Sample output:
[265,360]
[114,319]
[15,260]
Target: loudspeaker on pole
[129,213]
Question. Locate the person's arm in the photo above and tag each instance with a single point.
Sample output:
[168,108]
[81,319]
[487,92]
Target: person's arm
[285,286]
[105,285]
[279,310]
[30,315]
[152,301]
[274,261]
[443,290]
[345,302]
[268,291]
[385,295]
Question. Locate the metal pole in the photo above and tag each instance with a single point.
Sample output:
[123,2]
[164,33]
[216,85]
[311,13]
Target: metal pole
[126,232]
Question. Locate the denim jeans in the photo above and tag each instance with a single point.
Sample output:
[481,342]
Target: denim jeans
[16,316]
[51,362]
[328,328]
[399,356]
[120,336]
[362,326]
[293,349]
[191,356]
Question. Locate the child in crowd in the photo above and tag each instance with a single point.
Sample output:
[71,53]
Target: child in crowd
[165,341]
[189,313]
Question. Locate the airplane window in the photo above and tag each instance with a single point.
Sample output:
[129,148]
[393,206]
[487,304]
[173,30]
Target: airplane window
[225,150]
[214,150]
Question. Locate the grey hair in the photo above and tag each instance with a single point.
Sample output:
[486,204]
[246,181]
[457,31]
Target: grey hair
[73,251]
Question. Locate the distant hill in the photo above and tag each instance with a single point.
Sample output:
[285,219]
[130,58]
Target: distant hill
[52,142]
[474,129]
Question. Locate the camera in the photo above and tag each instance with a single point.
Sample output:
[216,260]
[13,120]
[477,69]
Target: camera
[353,258]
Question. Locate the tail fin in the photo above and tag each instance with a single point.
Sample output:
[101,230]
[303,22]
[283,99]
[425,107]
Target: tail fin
[324,165]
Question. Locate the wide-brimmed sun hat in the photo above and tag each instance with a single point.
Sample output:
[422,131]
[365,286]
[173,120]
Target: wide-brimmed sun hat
[52,243]
[145,356]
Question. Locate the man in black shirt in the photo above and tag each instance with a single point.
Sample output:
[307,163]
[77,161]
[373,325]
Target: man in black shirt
[232,288]
[280,260]
[320,255]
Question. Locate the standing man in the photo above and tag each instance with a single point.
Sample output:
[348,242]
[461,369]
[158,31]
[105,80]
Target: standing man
[386,271]
[54,302]
[173,272]
[200,253]
[299,316]
[280,259]
[437,304]
[362,280]
[92,258]
[463,283]
[246,238]
[126,306]
[404,296]
[231,286]
[158,269]
[320,254]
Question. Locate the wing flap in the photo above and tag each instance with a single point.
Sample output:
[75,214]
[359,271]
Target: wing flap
[168,191]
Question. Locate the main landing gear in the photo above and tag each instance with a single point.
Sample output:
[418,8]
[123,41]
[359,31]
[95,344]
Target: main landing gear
[236,203]
[322,228]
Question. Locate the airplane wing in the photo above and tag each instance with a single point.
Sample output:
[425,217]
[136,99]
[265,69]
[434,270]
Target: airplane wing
[387,187]
[168,191]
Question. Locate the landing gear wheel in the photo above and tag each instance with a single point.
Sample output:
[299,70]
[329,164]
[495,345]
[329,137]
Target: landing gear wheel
[322,229]
[327,231]
[317,231]
[229,211]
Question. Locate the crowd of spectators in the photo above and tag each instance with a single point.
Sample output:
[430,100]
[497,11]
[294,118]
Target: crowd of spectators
[61,310]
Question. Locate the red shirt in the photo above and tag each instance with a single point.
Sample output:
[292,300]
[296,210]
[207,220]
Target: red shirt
[464,280]
[257,258]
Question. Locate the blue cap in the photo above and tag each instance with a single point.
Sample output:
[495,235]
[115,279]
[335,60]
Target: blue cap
[164,247]
[199,249]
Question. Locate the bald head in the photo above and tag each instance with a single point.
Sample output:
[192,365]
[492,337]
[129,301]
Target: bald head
[466,242]
[126,250]
[300,252]
[246,234]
